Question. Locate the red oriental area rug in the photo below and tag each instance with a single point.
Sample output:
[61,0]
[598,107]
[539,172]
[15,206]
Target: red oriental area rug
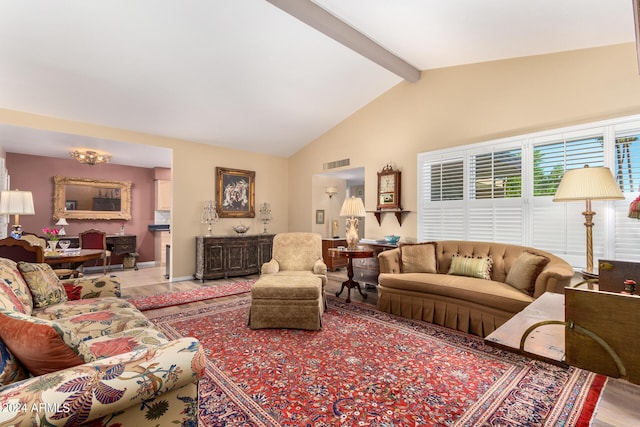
[169,299]
[367,368]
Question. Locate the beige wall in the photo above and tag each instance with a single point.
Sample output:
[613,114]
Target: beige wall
[193,181]
[462,105]
[448,107]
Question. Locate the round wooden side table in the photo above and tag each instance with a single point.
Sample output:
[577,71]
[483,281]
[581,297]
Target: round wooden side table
[351,254]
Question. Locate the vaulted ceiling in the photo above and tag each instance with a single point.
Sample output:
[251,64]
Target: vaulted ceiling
[248,75]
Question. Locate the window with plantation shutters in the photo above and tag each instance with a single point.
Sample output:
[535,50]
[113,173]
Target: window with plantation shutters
[502,191]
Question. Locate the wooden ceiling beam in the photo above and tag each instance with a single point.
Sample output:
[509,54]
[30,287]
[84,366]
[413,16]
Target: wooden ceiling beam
[328,24]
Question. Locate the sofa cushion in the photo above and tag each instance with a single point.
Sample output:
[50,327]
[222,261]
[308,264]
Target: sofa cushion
[73,308]
[10,368]
[418,258]
[525,271]
[488,293]
[10,275]
[479,267]
[41,346]
[43,283]
[95,324]
[126,341]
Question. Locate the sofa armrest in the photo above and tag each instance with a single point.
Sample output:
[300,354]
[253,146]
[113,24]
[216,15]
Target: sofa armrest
[389,261]
[270,267]
[87,392]
[319,267]
[556,275]
[98,287]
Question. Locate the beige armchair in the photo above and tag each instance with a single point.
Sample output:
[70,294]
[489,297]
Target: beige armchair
[297,254]
[290,291]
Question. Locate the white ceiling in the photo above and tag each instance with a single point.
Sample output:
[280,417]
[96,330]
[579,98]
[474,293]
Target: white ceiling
[243,73]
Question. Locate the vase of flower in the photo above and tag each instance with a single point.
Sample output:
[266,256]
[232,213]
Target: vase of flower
[52,245]
[52,234]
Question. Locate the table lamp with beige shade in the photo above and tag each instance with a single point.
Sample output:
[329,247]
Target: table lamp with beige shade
[16,202]
[588,183]
[352,209]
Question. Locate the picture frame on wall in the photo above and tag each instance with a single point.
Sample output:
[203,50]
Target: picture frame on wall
[235,193]
[320,216]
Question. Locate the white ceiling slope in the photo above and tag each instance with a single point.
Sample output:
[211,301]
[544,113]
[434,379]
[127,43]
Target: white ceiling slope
[244,74]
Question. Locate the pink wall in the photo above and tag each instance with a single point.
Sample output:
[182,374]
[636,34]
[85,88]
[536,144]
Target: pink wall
[35,174]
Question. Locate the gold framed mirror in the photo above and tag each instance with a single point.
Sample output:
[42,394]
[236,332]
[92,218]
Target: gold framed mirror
[84,198]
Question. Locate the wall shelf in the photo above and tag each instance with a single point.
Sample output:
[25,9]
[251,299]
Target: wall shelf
[398,214]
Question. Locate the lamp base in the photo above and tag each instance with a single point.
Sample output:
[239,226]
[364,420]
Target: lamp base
[352,233]
[17,231]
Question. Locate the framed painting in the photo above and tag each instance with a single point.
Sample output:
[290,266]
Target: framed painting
[235,193]
[320,216]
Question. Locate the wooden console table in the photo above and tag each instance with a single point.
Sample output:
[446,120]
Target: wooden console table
[227,256]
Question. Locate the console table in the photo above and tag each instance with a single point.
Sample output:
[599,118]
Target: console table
[227,256]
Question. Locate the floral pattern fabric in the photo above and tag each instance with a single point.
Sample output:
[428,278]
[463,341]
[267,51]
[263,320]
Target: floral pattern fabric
[68,335]
[43,283]
[72,308]
[98,287]
[126,341]
[11,277]
[132,375]
[135,388]
[100,323]
[10,369]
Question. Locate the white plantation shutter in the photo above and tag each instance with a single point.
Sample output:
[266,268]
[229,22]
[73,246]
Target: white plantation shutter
[558,227]
[502,191]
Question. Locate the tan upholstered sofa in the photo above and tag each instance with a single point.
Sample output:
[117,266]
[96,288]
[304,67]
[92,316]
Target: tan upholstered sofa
[76,354]
[468,304]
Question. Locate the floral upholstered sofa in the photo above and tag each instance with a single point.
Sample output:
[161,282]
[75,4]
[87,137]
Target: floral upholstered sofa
[75,354]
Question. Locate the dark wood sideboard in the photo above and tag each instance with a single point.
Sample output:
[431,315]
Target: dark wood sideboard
[227,256]
[333,263]
[367,270]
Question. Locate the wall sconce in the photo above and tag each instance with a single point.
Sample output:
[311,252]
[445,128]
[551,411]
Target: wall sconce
[331,191]
[62,222]
[16,203]
[90,157]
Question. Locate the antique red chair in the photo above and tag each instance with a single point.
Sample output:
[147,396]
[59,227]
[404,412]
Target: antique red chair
[96,239]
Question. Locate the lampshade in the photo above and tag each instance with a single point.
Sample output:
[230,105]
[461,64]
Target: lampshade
[634,208]
[62,222]
[16,202]
[353,207]
[588,183]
